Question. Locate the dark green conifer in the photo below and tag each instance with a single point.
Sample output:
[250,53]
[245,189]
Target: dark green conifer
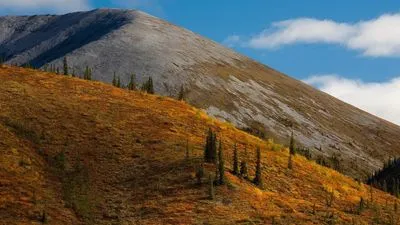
[292,147]
[181,95]
[114,81]
[148,86]
[361,206]
[118,82]
[235,160]
[150,89]
[65,65]
[210,149]
[132,82]
[221,165]
[243,166]
[258,178]
[384,186]
[86,75]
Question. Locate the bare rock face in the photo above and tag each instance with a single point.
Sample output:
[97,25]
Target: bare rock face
[226,84]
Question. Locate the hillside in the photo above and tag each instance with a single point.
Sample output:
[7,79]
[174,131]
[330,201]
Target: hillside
[83,152]
[226,84]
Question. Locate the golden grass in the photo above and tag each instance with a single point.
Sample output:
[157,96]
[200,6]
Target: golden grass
[133,146]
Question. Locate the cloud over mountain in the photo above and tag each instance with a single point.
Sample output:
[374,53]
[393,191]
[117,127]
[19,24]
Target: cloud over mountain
[375,38]
[380,99]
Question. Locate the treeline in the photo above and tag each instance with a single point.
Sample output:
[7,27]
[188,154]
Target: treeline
[66,70]
[388,178]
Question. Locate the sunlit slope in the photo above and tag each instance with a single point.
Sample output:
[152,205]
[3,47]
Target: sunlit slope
[226,84]
[86,152]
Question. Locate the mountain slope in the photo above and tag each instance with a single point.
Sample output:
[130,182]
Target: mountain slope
[227,85]
[86,152]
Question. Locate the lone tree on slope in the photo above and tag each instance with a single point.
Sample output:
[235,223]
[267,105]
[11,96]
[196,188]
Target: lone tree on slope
[292,147]
[118,82]
[181,95]
[235,160]
[65,65]
[148,86]
[88,74]
[132,82]
[114,81]
[243,166]
[210,149]
[221,165]
[258,178]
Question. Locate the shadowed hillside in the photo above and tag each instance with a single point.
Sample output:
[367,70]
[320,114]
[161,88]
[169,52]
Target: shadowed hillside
[83,152]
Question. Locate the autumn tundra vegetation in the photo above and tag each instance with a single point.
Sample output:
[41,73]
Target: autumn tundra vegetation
[124,154]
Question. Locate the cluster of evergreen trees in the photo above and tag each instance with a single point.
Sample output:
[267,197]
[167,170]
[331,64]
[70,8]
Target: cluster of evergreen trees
[387,178]
[132,85]
[212,155]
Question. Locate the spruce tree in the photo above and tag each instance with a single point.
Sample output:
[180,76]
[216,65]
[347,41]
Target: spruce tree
[86,75]
[148,86]
[258,178]
[384,186]
[132,82]
[181,95]
[210,149]
[150,89]
[235,160]
[90,74]
[118,82]
[114,81]
[292,145]
[361,206]
[243,166]
[65,65]
[221,165]
[57,70]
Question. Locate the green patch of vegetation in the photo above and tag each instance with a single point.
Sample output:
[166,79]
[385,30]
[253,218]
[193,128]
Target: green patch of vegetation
[76,191]
[23,130]
[75,186]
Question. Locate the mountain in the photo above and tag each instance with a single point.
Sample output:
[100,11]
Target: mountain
[84,152]
[225,84]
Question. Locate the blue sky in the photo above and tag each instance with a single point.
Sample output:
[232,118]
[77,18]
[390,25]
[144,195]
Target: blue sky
[349,49]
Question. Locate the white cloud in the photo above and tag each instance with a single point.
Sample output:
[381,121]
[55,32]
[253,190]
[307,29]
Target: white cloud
[380,99]
[302,30]
[376,37]
[42,6]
